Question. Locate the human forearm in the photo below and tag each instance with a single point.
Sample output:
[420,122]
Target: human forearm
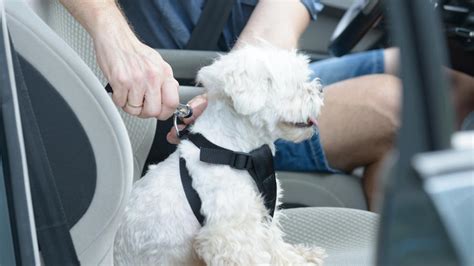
[280,22]
[94,15]
[106,24]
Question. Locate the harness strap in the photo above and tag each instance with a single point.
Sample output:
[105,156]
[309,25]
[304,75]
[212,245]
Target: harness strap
[191,194]
[263,172]
[211,153]
[259,164]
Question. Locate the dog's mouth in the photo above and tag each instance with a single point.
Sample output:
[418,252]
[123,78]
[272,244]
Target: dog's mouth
[309,123]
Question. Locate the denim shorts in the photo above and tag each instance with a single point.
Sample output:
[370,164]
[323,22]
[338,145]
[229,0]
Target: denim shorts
[308,156]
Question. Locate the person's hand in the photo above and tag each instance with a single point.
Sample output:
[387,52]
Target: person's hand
[198,104]
[142,82]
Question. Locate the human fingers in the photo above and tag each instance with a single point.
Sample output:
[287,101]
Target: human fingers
[135,100]
[120,84]
[169,98]
[119,95]
[198,104]
[152,102]
[172,136]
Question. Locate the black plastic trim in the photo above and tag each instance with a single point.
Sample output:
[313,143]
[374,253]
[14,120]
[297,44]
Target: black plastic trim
[411,231]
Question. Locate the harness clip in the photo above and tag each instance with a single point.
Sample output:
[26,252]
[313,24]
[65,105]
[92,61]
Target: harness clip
[182,111]
[240,160]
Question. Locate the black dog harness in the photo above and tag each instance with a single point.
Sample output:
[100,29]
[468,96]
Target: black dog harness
[259,164]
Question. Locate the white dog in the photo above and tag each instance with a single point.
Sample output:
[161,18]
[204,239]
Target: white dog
[256,95]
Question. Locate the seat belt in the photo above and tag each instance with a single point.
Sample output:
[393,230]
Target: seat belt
[210,25]
[52,227]
[258,163]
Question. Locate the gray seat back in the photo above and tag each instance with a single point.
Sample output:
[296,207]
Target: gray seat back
[74,82]
[141,131]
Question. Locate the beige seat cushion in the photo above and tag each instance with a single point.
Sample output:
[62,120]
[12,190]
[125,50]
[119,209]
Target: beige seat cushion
[348,235]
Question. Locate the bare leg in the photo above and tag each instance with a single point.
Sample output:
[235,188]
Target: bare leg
[371,172]
[358,123]
[361,116]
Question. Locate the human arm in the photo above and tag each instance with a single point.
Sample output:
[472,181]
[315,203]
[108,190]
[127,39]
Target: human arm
[137,73]
[279,22]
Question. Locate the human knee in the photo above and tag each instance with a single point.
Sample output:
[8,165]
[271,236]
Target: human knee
[385,99]
[382,103]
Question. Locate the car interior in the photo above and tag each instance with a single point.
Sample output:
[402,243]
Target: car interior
[115,146]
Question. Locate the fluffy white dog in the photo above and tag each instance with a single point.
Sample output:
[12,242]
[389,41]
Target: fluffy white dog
[256,95]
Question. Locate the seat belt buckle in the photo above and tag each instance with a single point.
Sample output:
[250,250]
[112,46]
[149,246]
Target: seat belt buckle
[240,160]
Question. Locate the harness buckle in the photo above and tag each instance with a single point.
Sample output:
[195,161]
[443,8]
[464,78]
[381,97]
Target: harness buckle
[240,160]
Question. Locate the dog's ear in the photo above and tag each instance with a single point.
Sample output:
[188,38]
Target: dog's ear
[243,79]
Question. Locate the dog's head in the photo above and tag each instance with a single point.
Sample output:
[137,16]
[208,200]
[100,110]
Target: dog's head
[269,86]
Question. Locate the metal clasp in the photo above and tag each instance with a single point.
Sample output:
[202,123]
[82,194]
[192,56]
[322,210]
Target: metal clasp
[182,111]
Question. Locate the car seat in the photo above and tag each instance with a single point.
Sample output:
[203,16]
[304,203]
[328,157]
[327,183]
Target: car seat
[140,131]
[347,234]
[95,185]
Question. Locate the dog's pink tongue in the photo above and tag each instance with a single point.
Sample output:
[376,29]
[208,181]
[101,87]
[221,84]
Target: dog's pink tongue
[314,121]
